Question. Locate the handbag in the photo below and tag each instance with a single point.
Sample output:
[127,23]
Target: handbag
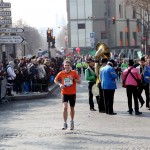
[123,82]
[95,90]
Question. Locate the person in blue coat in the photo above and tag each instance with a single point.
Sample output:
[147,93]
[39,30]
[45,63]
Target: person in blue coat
[147,74]
[144,86]
[147,80]
[108,85]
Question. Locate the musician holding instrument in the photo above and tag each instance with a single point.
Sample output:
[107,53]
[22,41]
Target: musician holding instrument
[102,56]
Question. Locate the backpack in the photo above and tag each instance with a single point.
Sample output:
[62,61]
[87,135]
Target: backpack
[29,68]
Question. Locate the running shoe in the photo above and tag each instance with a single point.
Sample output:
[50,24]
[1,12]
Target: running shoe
[71,125]
[64,126]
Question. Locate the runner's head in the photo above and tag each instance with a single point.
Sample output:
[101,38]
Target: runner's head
[67,65]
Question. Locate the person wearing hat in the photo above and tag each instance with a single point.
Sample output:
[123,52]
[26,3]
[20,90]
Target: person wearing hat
[130,77]
[90,76]
[108,85]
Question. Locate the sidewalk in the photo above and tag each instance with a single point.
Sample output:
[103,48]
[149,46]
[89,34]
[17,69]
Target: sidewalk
[33,95]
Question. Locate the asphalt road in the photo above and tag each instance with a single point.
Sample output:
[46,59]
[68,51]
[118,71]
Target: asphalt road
[36,125]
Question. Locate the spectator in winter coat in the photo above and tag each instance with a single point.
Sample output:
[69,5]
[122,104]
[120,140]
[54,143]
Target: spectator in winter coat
[144,86]
[42,75]
[108,85]
[90,76]
[10,77]
[131,75]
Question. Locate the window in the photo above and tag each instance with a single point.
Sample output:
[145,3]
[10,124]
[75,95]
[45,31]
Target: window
[134,14]
[134,39]
[81,26]
[120,11]
[127,38]
[103,35]
[138,25]
[121,38]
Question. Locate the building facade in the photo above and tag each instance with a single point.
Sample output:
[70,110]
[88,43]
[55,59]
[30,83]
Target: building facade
[90,22]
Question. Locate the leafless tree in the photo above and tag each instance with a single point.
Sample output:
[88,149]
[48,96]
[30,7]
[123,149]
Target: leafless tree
[33,39]
[142,9]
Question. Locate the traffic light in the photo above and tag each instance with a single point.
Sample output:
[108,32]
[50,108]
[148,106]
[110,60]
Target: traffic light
[53,42]
[113,20]
[49,34]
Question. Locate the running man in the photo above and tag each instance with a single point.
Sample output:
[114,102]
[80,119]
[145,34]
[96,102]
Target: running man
[67,80]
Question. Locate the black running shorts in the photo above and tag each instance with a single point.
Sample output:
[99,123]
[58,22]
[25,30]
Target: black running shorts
[70,98]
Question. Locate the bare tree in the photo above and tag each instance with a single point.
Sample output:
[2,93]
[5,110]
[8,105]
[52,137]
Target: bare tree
[142,9]
[33,39]
[139,6]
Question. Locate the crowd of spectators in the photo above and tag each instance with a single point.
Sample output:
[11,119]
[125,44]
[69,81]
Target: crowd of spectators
[31,74]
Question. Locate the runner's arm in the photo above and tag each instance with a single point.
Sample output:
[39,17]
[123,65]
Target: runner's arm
[59,83]
[77,80]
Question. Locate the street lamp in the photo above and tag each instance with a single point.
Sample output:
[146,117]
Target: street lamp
[24,47]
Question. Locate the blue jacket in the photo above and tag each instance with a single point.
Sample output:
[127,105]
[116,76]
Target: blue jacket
[147,74]
[108,76]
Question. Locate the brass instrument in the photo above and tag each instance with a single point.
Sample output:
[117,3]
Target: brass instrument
[102,51]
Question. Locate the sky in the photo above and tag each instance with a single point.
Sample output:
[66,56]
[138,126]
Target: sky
[39,14]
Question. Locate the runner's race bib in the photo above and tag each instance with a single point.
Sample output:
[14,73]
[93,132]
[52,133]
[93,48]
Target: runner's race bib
[67,82]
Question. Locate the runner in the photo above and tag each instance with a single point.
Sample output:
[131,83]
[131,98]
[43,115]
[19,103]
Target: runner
[67,80]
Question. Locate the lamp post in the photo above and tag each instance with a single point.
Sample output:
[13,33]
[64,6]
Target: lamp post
[24,47]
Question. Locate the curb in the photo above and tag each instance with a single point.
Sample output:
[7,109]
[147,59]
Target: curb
[30,96]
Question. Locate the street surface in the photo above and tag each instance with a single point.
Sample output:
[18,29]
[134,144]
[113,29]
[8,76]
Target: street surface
[36,125]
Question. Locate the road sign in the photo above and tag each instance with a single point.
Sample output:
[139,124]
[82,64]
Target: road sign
[92,35]
[92,39]
[24,42]
[5,5]
[5,13]
[11,39]
[5,21]
[11,30]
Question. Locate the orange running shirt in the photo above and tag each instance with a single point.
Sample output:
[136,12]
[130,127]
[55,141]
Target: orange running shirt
[70,86]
